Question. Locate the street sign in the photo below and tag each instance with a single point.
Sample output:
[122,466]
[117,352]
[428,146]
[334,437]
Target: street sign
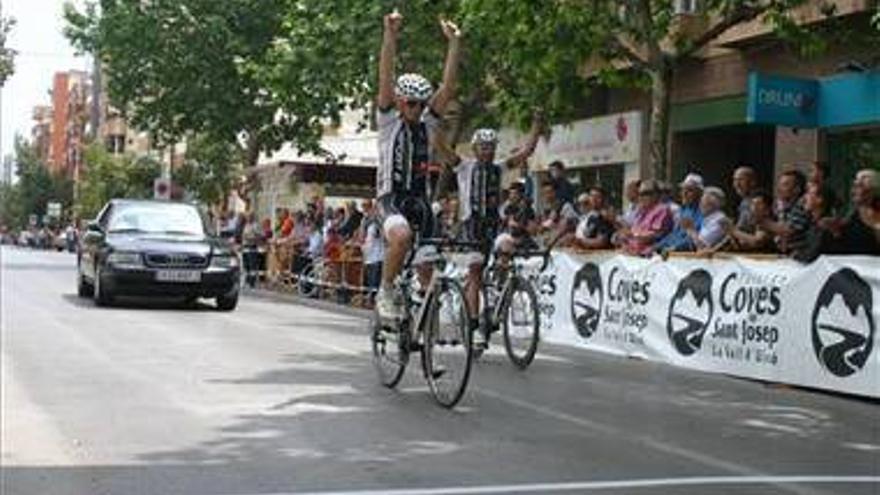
[162,189]
[53,209]
[32,220]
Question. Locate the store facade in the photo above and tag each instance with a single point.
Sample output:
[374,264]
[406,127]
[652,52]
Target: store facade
[843,111]
[606,150]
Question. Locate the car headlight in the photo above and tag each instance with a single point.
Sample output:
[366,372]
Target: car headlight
[224,261]
[122,259]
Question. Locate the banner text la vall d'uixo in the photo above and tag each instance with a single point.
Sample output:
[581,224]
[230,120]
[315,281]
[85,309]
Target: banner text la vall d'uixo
[812,325]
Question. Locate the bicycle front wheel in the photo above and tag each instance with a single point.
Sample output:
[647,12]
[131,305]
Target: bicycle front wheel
[521,323]
[447,353]
[390,350]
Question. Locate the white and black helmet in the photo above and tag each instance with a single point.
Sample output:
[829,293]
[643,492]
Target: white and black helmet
[413,87]
[484,136]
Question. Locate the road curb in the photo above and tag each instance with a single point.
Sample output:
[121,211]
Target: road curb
[308,302]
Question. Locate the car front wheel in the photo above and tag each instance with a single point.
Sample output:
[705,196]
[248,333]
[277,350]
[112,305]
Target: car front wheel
[101,294]
[228,302]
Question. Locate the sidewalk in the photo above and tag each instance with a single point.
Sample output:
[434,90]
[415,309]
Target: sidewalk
[305,301]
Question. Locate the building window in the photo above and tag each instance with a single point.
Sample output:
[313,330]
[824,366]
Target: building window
[685,7]
[116,144]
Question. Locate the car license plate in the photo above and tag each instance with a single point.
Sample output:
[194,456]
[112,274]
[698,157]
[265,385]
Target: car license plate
[185,276]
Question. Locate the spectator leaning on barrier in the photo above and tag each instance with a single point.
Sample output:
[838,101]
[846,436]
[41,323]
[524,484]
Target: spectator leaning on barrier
[559,217]
[792,220]
[519,218]
[653,222]
[630,213]
[818,202]
[860,233]
[744,184]
[752,237]
[712,231]
[689,214]
[594,230]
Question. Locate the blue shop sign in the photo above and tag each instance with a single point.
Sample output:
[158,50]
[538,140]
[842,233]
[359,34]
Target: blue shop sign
[836,101]
[785,101]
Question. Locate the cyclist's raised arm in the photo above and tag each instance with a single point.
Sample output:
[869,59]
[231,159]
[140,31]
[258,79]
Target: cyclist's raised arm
[446,92]
[528,148]
[386,60]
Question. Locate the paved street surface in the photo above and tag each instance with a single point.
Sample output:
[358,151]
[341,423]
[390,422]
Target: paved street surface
[279,398]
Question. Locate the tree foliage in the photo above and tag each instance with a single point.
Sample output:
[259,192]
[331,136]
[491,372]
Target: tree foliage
[264,72]
[7,54]
[107,176]
[36,187]
[210,169]
[184,66]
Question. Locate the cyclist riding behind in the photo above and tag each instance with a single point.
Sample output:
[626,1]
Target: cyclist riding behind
[479,192]
[408,118]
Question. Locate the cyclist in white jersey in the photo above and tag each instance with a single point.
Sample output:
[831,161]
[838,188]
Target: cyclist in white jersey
[479,194]
[408,118]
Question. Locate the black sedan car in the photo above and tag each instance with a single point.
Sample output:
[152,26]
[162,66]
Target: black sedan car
[155,248]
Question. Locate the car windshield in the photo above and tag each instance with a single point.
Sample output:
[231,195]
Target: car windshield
[157,218]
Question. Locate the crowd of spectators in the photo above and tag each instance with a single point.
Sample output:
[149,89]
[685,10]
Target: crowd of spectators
[802,220]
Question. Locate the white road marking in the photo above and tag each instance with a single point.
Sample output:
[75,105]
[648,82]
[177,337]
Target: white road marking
[582,486]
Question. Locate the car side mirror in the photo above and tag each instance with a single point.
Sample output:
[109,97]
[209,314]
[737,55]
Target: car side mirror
[94,232]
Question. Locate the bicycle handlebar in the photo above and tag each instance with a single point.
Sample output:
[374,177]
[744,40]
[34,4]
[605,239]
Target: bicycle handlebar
[534,253]
[442,242]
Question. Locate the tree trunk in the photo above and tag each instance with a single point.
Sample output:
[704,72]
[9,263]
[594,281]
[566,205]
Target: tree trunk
[658,133]
[251,157]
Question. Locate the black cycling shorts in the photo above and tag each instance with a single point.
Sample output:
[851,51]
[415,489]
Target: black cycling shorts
[416,211]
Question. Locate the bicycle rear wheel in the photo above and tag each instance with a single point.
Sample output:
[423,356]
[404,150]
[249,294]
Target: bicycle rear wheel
[390,350]
[520,323]
[447,353]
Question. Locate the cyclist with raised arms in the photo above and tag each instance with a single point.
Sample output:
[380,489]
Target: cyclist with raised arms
[479,193]
[408,118]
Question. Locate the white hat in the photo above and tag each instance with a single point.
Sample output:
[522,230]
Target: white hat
[718,193]
[692,180]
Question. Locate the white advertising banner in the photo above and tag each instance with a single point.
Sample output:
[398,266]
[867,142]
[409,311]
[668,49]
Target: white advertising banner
[599,141]
[811,325]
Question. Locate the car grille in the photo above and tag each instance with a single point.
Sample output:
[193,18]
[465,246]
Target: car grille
[175,260]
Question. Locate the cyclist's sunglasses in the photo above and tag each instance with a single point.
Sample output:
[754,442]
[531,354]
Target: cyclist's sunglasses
[414,103]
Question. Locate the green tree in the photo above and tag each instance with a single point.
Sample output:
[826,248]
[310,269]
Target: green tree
[7,54]
[652,40]
[36,186]
[107,177]
[210,171]
[11,211]
[190,66]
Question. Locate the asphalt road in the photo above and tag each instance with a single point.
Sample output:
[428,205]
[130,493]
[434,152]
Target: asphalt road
[281,398]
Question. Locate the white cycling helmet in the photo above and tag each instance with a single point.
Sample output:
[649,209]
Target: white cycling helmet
[413,87]
[485,136]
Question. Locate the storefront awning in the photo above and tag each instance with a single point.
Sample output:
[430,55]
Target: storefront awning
[707,114]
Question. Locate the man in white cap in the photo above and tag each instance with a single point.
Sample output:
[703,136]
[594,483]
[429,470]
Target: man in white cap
[688,215]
